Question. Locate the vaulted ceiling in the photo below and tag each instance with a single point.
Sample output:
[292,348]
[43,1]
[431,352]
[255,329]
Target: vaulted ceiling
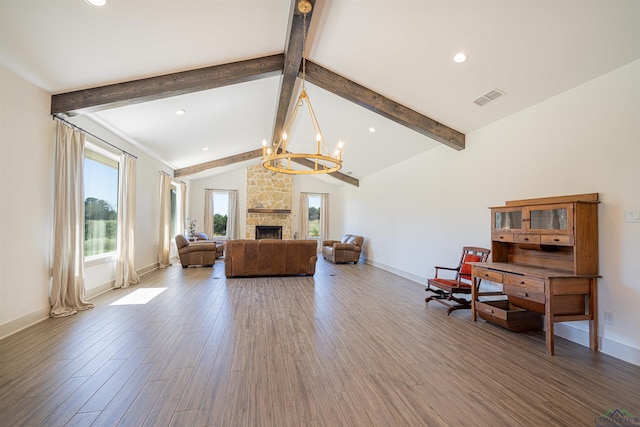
[384,64]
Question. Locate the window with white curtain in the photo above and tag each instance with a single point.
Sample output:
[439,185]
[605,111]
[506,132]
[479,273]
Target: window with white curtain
[220,213]
[100,202]
[313,220]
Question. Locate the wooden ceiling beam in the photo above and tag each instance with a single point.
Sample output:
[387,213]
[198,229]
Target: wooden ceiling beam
[294,49]
[190,170]
[384,106]
[337,175]
[165,86]
[250,155]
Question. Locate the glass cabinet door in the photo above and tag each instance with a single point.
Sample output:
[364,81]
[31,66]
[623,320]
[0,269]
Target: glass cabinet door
[507,219]
[551,218]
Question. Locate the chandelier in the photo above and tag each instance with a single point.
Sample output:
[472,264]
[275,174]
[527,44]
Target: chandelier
[278,158]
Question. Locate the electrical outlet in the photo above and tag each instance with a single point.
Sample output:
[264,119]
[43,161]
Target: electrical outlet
[609,318]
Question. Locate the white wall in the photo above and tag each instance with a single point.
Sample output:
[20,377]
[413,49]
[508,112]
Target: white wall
[26,215]
[237,180]
[27,170]
[419,213]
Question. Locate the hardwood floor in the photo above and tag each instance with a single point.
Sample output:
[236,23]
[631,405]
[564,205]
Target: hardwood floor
[351,346]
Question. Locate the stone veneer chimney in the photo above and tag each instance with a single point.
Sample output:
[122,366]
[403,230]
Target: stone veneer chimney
[268,190]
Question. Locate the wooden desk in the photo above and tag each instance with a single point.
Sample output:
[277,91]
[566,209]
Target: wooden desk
[545,255]
[559,296]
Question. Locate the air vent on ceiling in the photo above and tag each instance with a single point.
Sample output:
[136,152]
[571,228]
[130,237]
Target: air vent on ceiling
[488,97]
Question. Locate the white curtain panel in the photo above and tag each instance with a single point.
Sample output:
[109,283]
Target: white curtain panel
[164,241]
[304,216]
[324,219]
[182,212]
[208,213]
[67,287]
[233,220]
[125,267]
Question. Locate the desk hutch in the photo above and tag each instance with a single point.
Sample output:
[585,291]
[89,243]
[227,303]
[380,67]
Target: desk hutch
[545,255]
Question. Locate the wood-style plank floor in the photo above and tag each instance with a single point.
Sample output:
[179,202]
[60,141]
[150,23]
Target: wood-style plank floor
[352,346]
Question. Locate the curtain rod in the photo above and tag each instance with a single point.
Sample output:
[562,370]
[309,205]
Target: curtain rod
[218,189]
[96,137]
[173,177]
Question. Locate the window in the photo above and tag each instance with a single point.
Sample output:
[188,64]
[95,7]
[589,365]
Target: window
[220,213]
[315,202]
[101,202]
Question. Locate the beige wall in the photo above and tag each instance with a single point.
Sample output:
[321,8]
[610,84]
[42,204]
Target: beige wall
[419,213]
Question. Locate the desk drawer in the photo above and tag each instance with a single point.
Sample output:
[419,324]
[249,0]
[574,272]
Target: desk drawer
[502,237]
[525,294]
[490,275]
[534,239]
[525,283]
[508,316]
[556,239]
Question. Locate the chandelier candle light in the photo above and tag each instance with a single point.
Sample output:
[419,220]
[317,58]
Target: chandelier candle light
[278,158]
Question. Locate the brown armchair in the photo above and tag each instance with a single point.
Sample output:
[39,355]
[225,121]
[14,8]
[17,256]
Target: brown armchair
[195,253]
[346,250]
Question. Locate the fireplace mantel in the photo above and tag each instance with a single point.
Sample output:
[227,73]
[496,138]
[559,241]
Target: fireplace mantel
[269,211]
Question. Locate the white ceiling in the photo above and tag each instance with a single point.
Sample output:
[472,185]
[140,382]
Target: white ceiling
[402,49]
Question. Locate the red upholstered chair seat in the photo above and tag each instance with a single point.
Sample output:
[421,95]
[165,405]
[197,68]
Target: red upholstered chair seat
[443,289]
[450,283]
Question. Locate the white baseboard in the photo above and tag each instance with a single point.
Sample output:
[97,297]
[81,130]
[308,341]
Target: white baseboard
[99,290]
[148,269]
[419,279]
[106,287]
[23,322]
[607,346]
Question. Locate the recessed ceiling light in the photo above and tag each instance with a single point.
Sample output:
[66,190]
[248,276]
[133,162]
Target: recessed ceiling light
[98,3]
[180,112]
[205,148]
[372,130]
[460,58]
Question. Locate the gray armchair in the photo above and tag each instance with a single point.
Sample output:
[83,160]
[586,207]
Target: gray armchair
[341,251]
[201,236]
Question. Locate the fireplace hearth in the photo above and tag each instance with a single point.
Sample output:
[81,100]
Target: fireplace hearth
[268,232]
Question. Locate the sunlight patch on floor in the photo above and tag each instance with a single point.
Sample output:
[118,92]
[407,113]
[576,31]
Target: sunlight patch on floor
[139,296]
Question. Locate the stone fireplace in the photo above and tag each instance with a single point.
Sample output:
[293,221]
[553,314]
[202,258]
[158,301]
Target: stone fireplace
[269,197]
[268,232]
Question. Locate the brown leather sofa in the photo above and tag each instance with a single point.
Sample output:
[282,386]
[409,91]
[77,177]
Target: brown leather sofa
[270,257]
[196,253]
[346,250]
